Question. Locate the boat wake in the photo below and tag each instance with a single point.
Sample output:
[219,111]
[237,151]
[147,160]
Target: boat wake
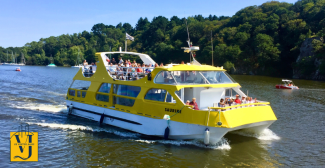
[84,128]
[41,107]
[223,144]
[266,135]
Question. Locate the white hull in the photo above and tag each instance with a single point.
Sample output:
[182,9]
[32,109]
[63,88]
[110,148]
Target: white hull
[156,127]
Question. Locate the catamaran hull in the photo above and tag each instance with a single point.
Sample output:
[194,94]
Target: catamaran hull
[156,127]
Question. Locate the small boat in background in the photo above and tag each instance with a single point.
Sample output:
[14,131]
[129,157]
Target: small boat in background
[51,65]
[287,84]
[18,69]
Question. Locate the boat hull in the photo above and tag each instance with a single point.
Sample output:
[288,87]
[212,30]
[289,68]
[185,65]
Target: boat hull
[156,127]
[285,87]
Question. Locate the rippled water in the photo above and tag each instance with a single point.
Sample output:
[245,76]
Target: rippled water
[36,96]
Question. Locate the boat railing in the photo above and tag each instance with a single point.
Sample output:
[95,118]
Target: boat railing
[227,107]
[121,73]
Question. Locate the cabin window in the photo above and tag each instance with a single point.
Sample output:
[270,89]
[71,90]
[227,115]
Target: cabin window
[105,88]
[126,90]
[170,99]
[101,97]
[156,95]
[72,92]
[192,77]
[78,93]
[123,101]
[80,84]
[83,94]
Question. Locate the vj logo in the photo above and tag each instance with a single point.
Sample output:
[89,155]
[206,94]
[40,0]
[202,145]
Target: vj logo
[23,145]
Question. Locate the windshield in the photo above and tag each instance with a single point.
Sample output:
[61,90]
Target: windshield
[192,77]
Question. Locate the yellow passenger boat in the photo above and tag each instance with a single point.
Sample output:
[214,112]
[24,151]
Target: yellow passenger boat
[154,103]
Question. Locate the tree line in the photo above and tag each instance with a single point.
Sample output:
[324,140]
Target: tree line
[261,39]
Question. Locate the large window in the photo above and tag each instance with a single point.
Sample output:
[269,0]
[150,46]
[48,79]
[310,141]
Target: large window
[156,95]
[102,97]
[123,101]
[192,77]
[80,84]
[103,92]
[126,90]
[105,88]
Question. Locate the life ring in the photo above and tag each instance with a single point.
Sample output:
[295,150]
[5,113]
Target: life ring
[70,109]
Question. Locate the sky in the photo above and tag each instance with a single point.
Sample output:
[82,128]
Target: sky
[24,21]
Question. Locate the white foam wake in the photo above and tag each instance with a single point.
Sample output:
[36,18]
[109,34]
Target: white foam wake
[223,144]
[42,107]
[267,135]
[85,128]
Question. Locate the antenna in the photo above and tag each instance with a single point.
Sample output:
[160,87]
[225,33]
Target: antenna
[188,38]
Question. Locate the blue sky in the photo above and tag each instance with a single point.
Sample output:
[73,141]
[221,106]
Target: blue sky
[29,20]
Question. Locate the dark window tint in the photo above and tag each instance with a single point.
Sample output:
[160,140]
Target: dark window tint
[105,88]
[72,92]
[83,94]
[101,97]
[123,101]
[126,90]
[156,95]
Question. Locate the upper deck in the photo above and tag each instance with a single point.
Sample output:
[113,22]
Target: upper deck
[179,75]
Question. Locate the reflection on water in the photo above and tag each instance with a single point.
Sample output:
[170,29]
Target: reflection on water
[36,96]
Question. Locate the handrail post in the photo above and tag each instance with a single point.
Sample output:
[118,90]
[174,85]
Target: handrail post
[208,116]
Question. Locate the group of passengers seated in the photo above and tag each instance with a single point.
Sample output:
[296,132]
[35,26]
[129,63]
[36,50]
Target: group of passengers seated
[193,104]
[237,101]
[127,70]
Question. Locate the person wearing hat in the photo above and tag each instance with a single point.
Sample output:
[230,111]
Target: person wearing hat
[237,100]
[243,100]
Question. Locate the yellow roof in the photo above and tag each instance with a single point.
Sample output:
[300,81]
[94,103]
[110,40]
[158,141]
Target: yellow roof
[185,67]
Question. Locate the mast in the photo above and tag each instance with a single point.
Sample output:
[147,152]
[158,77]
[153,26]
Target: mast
[212,47]
[12,57]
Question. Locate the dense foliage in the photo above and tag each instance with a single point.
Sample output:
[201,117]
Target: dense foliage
[261,39]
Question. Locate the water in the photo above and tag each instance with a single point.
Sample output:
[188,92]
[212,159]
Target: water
[36,96]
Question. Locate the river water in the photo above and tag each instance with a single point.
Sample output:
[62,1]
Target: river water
[36,96]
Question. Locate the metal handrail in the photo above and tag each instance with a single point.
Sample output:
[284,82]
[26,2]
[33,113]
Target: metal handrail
[225,108]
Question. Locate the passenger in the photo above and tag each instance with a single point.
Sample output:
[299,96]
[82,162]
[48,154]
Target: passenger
[194,104]
[113,61]
[112,68]
[187,102]
[156,65]
[134,62]
[243,100]
[182,62]
[85,63]
[90,69]
[139,69]
[121,61]
[221,103]
[161,64]
[237,100]
[229,101]
[129,62]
